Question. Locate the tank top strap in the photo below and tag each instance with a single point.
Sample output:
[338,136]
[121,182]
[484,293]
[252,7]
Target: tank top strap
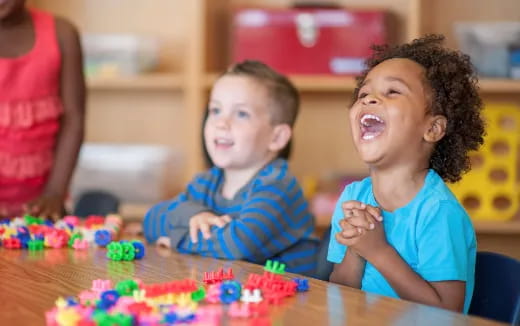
[45,32]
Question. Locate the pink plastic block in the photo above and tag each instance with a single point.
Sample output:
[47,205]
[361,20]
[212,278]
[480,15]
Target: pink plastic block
[80,244]
[72,220]
[213,293]
[100,285]
[239,310]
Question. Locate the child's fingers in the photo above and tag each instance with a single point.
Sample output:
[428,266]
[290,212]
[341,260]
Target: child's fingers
[353,204]
[375,212]
[350,233]
[205,228]
[348,230]
[365,221]
[55,216]
[35,210]
[218,221]
[163,242]
[226,218]
[194,230]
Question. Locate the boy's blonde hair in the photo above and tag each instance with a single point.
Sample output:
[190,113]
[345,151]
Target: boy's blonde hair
[282,92]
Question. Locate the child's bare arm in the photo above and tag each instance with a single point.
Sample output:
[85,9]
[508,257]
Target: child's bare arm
[350,271]
[70,136]
[411,286]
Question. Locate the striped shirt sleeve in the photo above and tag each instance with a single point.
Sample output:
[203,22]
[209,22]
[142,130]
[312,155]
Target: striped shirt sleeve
[274,217]
[174,215]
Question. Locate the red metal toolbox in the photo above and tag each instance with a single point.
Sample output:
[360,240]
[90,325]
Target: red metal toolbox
[307,41]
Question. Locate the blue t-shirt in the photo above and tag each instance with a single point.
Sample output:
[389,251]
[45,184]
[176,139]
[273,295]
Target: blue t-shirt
[432,233]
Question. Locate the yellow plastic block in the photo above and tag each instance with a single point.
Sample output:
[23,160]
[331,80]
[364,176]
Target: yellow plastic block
[489,191]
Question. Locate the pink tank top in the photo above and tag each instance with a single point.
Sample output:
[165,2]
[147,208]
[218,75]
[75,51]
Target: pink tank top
[30,110]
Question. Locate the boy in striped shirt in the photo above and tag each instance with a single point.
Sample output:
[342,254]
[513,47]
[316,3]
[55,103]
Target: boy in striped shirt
[248,206]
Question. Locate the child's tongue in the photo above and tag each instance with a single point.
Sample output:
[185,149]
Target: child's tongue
[372,128]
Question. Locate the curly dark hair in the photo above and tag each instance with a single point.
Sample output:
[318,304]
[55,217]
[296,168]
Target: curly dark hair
[454,94]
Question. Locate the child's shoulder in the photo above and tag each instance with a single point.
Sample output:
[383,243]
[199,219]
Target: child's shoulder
[66,30]
[437,191]
[358,190]
[213,173]
[438,202]
[276,172]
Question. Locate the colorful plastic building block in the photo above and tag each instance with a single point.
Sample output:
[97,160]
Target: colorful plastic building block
[274,267]
[230,292]
[302,285]
[35,245]
[102,237]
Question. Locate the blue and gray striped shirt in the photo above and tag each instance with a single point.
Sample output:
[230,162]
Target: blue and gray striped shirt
[270,219]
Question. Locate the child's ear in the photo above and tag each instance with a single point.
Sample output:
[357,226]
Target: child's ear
[281,135]
[437,129]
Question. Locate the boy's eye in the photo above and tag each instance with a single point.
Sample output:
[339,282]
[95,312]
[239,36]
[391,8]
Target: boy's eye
[243,114]
[214,111]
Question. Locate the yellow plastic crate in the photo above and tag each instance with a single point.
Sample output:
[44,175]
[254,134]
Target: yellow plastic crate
[490,191]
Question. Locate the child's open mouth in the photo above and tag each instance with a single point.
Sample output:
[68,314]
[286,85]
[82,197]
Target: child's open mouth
[224,143]
[371,126]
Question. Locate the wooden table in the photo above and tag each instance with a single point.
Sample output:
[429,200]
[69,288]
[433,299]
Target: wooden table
[31,282]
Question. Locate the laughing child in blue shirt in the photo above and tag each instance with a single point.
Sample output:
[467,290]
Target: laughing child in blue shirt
[401,232]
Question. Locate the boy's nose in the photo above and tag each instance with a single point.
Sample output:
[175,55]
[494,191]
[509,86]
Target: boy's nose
[223,123]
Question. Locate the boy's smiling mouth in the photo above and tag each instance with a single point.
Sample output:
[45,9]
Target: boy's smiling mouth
[223,143]
[371,126]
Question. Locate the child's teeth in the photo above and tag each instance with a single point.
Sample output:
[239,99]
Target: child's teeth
[224,142]
[370,116]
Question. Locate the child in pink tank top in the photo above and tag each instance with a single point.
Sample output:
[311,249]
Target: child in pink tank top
[42,107]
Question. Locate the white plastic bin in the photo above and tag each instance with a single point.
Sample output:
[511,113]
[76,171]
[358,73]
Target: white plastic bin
[488,45]
[119,54]
[134,173]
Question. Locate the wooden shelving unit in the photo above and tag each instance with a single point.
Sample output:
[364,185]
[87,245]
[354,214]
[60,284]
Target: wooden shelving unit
[497,227]
[335,84]
[134,211]
[153,81]
[504,86]
[308,83]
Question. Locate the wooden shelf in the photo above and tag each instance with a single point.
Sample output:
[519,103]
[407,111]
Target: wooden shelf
[488,85]
[308,83]
[326,83]
[155,81]
[497,227]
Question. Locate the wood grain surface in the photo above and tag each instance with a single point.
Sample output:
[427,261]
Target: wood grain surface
[31,282]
